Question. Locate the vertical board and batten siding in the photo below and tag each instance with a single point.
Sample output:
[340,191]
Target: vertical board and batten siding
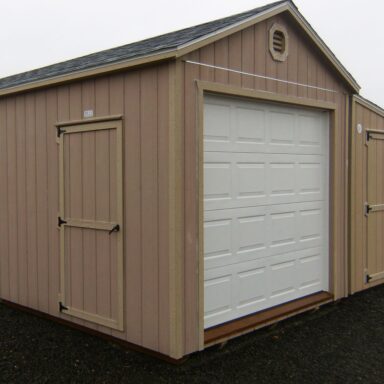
[29,204]
[359,195]
[247,51]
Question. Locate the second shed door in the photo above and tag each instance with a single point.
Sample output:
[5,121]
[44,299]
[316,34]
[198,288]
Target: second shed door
[265,206]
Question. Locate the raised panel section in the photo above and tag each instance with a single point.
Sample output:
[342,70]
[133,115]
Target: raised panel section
[217,123]
[250,124]
[282,128]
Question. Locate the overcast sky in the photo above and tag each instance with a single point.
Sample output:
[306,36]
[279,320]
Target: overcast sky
[41,32]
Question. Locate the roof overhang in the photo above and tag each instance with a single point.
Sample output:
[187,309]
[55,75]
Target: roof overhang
[182,50]
[368,104]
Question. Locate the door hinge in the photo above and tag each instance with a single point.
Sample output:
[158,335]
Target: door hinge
[116,228]
[368,278]
[367,209]
[62,307]
[60,221]
[60,131]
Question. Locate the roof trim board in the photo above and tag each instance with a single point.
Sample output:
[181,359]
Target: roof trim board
[183,49]
[369,104]
[108,68]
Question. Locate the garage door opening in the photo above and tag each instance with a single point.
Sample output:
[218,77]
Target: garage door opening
[266,206]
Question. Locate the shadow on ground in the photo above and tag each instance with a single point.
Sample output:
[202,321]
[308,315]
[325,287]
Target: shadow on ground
[340,343]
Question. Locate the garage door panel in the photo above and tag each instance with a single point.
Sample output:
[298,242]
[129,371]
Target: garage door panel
[310,133]
[281,129]
[238,126]
[247,287]
[309,270]
[238,235]
[218,124]
[265,206]
[250,126]
[234,180]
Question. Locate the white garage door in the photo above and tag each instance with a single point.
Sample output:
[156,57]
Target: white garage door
[265,206]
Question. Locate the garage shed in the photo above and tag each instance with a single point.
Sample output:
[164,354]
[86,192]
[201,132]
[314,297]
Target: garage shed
[178,191]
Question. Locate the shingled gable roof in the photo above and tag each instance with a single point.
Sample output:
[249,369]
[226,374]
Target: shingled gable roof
[170,45]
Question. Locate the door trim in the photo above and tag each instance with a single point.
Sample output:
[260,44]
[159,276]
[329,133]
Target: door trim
[203,87]
[87,126]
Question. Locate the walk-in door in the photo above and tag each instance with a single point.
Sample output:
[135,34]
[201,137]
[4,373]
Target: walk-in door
[91,222]
[375,205]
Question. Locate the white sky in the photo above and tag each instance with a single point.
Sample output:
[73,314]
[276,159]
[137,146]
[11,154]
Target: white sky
[41,32]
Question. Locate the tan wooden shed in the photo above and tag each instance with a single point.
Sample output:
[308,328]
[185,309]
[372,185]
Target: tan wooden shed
[179,191]
[367,195]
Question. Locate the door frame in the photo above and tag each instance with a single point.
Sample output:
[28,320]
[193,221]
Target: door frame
[96,124]
[204,87]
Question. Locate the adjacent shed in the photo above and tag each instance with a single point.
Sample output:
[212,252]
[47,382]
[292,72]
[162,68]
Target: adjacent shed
[181,190]
[367,195]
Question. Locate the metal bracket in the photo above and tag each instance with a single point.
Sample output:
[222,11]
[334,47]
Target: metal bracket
[62,307]
[116,228]
[60,221]
[368,278]
[60,131]
[367,209]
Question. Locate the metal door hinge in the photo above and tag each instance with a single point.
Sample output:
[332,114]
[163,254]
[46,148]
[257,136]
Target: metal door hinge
[62,307]
[60,221]
[368,278]
[367,209]
[116,228]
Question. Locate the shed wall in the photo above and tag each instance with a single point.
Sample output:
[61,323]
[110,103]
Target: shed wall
[29,190]
[369,119]
[247,51]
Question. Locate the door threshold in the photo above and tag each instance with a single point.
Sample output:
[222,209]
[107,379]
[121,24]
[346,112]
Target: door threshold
[251,322]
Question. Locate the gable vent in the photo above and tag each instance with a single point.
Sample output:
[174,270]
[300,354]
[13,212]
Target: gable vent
[278,42]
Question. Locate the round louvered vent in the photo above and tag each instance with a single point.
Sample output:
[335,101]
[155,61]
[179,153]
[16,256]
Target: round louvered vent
[278,42]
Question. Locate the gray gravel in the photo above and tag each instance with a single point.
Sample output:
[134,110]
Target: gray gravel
[340,343]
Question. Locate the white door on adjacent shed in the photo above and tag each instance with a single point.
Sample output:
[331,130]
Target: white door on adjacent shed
[266,190]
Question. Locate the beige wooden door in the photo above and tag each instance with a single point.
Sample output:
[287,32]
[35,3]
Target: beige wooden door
[375,206]
[91,222]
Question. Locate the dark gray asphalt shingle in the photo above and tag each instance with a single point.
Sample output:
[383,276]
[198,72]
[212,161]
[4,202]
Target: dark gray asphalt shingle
[146,47]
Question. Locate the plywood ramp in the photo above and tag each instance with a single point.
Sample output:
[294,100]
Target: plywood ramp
[29,204]
[367,195]
[247,51]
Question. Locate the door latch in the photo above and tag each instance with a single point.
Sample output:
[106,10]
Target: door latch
[116,228]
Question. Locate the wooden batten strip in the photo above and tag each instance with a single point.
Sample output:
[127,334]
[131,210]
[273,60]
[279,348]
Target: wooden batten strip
[89,120]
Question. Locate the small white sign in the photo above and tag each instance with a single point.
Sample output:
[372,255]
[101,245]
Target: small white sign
[88,113]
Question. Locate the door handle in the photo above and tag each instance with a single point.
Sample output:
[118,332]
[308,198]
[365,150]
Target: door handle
[116,228]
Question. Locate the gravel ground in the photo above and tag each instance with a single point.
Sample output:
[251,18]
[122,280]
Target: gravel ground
[340,343]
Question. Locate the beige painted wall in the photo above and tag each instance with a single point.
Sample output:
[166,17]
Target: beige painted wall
[29,190]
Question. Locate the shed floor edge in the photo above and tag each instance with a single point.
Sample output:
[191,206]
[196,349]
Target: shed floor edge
[81,328]
[260,319]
